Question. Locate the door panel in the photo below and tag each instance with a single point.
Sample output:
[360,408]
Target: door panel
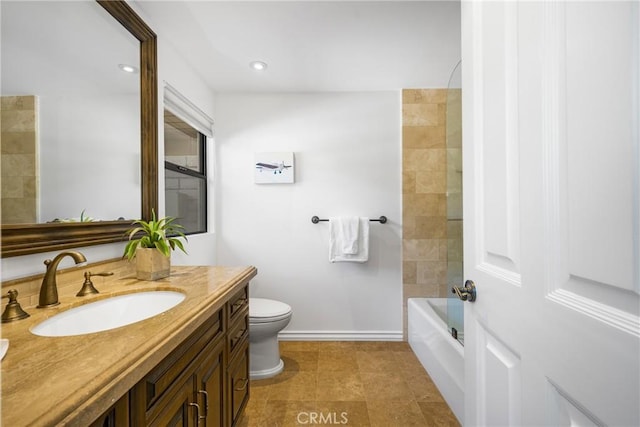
[551,196]
[500,391]
[564,411]
[498,146]
[590,154]
[599,126]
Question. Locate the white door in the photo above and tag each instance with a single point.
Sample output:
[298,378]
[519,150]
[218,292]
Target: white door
[551,210]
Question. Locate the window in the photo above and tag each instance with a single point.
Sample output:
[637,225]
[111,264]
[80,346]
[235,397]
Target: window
[185,174]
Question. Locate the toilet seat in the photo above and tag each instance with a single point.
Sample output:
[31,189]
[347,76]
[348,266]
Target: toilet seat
[262,310]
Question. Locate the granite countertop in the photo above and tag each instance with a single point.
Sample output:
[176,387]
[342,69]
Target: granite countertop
[73,380]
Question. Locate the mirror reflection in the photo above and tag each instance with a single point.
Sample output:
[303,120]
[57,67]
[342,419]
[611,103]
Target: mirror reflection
[70,114]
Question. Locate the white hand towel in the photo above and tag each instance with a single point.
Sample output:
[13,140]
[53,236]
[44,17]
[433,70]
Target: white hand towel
[347,232]
[348,239]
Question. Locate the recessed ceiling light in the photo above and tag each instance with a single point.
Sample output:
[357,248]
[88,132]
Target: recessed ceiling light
[258,65]
[128,68]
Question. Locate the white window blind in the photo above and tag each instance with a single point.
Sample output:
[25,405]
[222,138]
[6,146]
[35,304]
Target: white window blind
[179,105]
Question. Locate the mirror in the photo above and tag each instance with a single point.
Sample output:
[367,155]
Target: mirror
[70,114]
[136,161]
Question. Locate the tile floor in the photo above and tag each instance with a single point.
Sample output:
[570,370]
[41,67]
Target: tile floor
[347,383]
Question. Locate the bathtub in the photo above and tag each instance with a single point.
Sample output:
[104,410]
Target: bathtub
[440,354]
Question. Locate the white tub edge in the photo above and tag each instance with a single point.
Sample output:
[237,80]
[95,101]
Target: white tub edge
[439,353]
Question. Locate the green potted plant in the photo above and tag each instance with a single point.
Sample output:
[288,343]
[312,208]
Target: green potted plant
[151,243]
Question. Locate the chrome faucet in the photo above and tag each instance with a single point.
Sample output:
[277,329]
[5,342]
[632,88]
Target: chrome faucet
[49,288]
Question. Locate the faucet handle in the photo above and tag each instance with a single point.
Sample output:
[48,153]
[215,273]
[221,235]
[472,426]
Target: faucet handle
[13,311]
[87,286]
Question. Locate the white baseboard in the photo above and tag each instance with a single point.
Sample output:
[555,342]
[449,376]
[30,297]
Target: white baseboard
[340,336]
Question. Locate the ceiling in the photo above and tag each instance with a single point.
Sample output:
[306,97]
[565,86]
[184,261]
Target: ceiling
[312,46]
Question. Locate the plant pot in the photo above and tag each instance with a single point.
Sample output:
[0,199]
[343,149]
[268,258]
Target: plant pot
[151,264]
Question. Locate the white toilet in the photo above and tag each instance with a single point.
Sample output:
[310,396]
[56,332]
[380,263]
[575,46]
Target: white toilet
[267,317]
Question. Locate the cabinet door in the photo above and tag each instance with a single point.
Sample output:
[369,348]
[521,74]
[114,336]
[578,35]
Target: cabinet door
[176,409]
[238,374]
[210,379]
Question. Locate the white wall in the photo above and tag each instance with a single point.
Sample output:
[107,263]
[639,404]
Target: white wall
[347,153]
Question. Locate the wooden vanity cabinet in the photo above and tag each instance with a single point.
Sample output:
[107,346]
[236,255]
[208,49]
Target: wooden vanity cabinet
[238,347]
[187,386]
[197,398]
[204,382]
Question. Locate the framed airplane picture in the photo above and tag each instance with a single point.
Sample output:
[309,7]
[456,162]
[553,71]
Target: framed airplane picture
[274,168]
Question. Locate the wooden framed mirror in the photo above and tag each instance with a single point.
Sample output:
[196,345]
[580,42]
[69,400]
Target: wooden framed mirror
[23,239]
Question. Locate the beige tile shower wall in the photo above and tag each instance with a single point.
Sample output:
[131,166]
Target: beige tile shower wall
[19,159]
[424,200]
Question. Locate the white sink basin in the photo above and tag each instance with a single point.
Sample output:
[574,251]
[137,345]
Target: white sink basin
[108,313]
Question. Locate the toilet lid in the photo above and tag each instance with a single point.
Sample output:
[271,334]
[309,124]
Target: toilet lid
[260,308]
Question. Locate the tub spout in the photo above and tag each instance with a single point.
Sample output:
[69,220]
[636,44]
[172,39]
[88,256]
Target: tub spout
[49,287]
